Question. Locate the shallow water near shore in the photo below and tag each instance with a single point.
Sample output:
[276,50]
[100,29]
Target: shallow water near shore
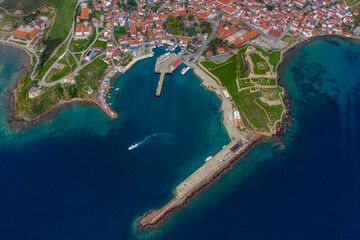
[72,177]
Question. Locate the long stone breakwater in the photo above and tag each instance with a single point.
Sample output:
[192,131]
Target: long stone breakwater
[199,180]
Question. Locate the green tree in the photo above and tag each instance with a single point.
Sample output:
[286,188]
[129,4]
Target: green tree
[269,7]
[170,18]
[191,17]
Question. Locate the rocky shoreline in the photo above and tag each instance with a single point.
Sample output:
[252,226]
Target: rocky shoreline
[18,123]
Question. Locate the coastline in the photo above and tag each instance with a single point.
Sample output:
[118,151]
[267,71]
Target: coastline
[19,47]
[153,219]
[19,123]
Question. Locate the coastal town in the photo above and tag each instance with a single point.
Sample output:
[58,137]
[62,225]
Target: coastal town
[118,34]
[234,47]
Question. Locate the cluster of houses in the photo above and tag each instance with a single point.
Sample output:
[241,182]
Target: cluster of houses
[83,28]
[143,27]
[304,17]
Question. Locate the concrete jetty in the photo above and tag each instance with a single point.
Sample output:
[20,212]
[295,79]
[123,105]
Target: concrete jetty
[161,81]
[200,179]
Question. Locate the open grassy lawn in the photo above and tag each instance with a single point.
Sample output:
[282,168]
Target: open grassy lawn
[254,114]
[247,102]
[288,39]
[83,44]
[228,71]
[120,31]
[56,74]
[274,112]
[101,44]
[274,56]
[78,56]
[260,65]
[243,83]
[64,18]
[90,75]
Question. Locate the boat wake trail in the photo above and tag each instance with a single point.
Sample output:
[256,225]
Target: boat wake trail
[152,137]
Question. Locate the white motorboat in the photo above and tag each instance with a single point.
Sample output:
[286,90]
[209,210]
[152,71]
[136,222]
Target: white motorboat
[133,146]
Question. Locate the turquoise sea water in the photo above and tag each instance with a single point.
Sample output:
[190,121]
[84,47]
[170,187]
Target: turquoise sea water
[72,177]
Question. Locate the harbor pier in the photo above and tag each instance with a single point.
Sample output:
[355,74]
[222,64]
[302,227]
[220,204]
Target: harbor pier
[200,179]
[166,64]
[161,81]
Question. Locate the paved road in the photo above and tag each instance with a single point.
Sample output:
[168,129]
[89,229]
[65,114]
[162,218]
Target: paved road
[70,33]
[67,41]
[205,43]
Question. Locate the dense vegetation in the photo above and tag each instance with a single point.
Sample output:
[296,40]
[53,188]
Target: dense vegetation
[205,27]
[130,6]
[174,25]
[214,44]
[27,6]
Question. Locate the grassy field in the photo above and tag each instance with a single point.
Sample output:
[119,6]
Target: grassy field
[288,39]
[247,102]
[10,22]
[101,44]
[64,18]
[27,6]
[127,59]
[274,56]
[91,74]
[83,44]
[56,74]
[50,62]
[120,31]
[254,114]
[260,65]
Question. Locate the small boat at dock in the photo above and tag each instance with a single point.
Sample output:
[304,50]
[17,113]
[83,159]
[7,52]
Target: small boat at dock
[208,158]
[184,70]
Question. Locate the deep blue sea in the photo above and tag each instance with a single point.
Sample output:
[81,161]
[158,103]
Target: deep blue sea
[72,176]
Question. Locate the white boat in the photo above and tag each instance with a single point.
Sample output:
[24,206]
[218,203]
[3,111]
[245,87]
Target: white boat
[184,70]
[133,146]
[117,89]
[208,158]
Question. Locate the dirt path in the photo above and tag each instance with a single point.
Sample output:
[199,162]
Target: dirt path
[52,24]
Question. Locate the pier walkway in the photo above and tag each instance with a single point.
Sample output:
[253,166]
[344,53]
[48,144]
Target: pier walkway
[207,169]
[161,81]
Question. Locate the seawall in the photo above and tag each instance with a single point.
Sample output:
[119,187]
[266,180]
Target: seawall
[206,175]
